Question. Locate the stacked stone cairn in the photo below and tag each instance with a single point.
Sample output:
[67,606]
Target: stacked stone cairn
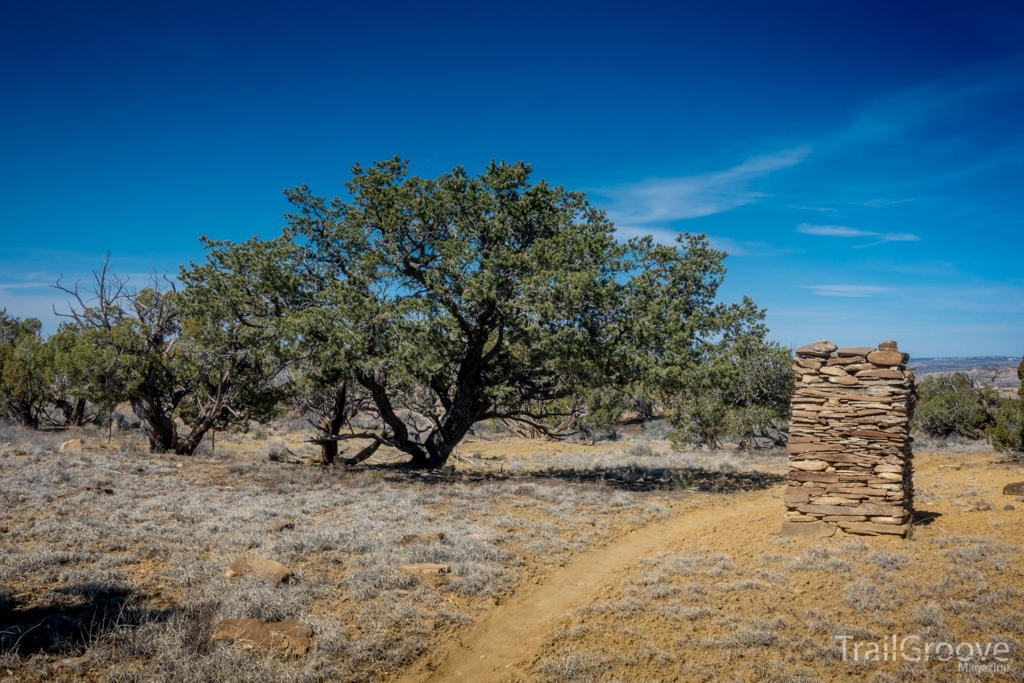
[850,463]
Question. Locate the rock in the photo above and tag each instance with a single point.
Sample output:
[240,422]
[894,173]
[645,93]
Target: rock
[807,363]
[813,529]
[887,346]
[268,570]
[279,526]
[72,445]
[1009,507]
[288,637]
[834,371]
[885,358]
[1014,489]
[420,539]
[855,351]
[846,380]
[79,664]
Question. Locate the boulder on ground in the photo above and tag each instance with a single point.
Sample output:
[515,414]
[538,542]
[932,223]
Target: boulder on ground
[72,445]
[1014,489]
[288,637]
[268,570]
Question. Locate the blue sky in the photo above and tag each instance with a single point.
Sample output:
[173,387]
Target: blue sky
[862,164]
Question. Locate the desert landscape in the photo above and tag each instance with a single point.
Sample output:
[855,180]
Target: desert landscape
[526,560]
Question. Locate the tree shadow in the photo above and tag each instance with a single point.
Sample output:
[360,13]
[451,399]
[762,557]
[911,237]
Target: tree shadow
[625,478]
[69,619]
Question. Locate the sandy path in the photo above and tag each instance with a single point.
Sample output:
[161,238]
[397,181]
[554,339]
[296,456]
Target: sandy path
[503,646]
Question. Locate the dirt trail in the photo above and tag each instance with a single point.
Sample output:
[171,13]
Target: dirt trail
[503,646]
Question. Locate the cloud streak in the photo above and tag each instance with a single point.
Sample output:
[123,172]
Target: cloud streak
[664,200]
[846,231]
[854,291]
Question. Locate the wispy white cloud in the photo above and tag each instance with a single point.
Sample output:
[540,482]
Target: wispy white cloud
[824,209]
[857,291]
[664,200]
[846,231]
[747,247]
[878,203]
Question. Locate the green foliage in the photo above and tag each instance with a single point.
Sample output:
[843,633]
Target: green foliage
[952,405]
[173,355]
[26,369]
[741,388]
[1007,434]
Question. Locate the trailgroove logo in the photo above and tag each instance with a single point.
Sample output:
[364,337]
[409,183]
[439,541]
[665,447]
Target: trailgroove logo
[915,649]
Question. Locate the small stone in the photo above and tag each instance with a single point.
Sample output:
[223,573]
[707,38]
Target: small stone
[834,371]
[807,363]
[1005,507]
[420,539]
[279,526]
[268,570]
[847,380]
[289,637]
[72,445]
[887,346]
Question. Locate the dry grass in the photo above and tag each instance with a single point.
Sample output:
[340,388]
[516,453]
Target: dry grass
[736,605]
[135,579]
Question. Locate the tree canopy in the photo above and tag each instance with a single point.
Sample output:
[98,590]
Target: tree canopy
[463,298]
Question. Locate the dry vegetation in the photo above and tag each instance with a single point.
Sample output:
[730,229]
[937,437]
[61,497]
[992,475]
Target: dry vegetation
[133,580]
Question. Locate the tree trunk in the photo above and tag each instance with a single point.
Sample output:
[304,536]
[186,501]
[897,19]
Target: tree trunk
[163,436]
[77,417]
[331,425]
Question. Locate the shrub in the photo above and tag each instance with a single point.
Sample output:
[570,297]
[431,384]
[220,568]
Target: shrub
[1007,434]
[952,405]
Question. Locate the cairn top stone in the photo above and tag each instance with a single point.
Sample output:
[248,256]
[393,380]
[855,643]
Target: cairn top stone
[821,348]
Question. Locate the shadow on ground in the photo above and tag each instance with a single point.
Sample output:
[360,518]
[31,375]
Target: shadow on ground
[626,478]
[68,618]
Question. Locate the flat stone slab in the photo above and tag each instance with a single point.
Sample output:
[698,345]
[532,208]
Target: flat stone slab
[873,529]
[268,570]
[288,637]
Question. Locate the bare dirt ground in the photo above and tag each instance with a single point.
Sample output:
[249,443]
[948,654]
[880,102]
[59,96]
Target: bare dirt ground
[621,561]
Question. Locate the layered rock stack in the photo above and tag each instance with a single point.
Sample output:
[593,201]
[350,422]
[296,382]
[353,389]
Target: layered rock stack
[850,463]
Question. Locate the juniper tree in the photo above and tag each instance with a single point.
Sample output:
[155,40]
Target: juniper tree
[465,298]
